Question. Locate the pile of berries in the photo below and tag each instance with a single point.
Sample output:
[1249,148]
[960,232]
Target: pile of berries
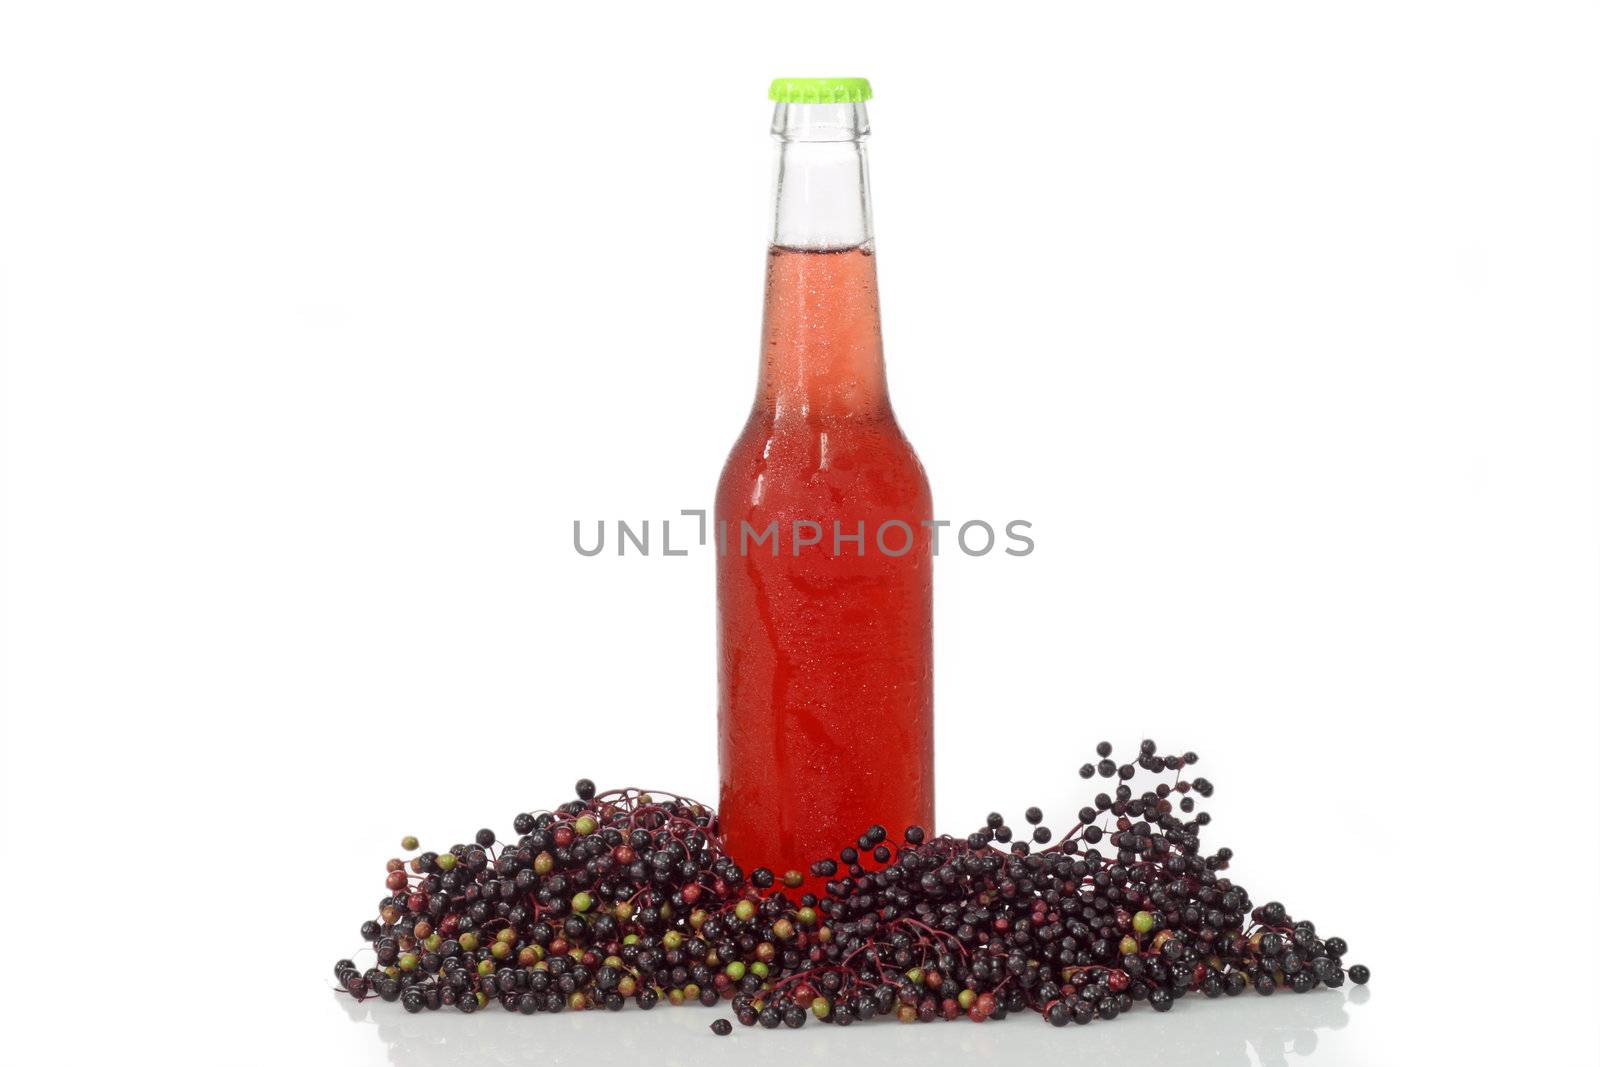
[627,895]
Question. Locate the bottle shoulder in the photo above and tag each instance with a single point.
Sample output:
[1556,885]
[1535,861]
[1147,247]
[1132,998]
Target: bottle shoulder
[865,435]
[823,462]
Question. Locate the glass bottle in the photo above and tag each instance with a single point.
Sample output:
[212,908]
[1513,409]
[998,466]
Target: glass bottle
[824,572]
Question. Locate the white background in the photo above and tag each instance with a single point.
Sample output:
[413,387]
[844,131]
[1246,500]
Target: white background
[323,321]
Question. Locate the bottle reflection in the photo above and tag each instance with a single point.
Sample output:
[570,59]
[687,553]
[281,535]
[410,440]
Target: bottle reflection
[1243,1032]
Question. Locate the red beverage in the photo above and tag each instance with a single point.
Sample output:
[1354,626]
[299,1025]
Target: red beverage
[826,641]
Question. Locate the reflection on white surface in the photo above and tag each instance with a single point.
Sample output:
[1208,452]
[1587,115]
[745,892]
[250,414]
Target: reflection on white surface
[1242,1032]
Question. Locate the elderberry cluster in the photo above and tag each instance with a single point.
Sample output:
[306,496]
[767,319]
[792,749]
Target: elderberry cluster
[629,895]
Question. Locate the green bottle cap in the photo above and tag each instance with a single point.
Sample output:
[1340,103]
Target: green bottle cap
[820,90]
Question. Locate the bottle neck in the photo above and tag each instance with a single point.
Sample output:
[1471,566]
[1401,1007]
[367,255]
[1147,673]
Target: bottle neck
[821,200]
[821,341]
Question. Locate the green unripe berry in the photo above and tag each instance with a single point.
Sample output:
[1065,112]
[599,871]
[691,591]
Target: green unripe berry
[408,842]
[1143,922]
